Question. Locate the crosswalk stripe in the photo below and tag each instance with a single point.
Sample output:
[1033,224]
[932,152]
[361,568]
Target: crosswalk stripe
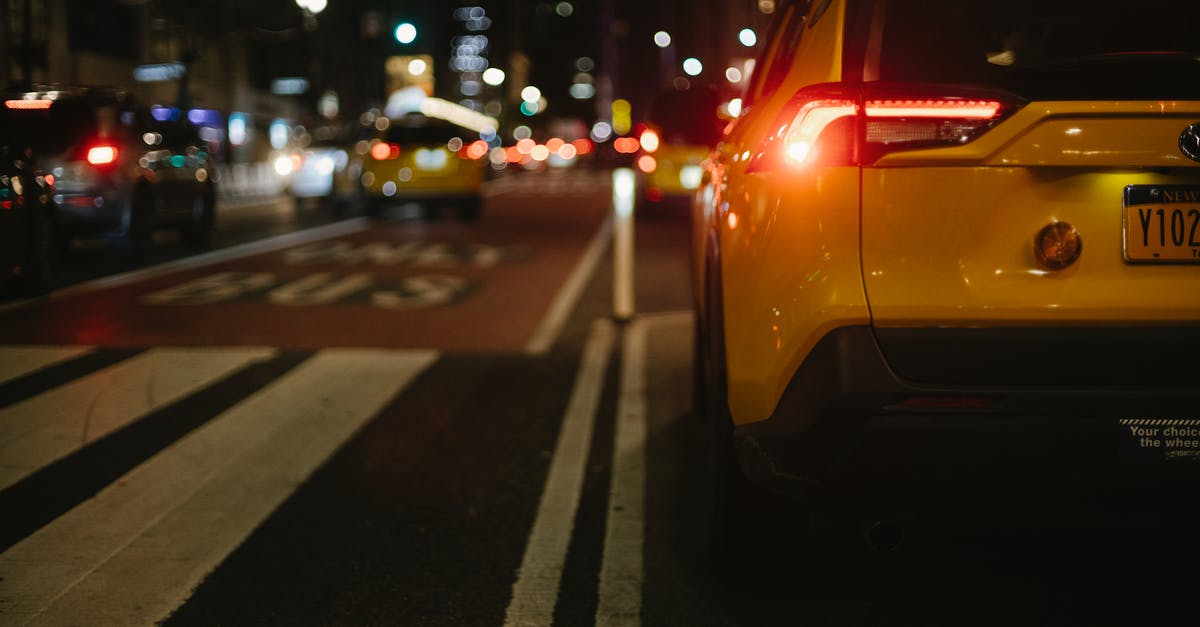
[49,426]
[136,551]
[16,361]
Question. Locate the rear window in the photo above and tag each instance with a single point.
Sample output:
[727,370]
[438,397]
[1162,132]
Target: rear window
[1066,49]
[68,123]
[51,130]
[422,130]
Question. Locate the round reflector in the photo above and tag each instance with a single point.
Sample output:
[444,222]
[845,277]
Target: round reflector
[1057,246]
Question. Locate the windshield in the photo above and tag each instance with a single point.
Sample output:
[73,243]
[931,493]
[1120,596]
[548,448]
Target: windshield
[1128,51]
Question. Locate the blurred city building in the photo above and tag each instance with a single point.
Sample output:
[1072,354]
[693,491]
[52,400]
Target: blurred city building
[249,66]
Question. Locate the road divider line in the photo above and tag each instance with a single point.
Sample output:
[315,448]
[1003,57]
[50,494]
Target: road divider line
[18,361]
[535,592]
[568,295]
[136,552]
[271,244]
[621,569]
[54,424]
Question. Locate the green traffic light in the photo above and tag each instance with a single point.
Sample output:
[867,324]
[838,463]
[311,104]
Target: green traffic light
[406,33]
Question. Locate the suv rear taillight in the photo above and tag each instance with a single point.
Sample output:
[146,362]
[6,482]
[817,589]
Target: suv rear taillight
[101,155]
[849,125]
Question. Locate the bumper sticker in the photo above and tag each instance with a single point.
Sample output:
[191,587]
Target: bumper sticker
[1160,439]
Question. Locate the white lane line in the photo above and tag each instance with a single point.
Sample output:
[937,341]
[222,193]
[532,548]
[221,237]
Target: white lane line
[535,593]
[620,590]
[271,244]
[52,425]
[135,552]
[17,361]
[560,308]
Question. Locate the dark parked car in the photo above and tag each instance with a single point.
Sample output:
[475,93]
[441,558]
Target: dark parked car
[118,171]
[27,251]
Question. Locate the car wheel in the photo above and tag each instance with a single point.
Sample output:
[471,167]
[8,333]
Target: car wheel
[198,231]
[747,523]
[471,208]
[141,226]
[373,208]
[41,265]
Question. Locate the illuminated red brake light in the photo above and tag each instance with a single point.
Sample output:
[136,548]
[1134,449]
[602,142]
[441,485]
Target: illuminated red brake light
[101,155]
[954,109]
[28,104]
[839,125]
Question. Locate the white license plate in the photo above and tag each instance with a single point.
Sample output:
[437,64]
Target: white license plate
[1162,223]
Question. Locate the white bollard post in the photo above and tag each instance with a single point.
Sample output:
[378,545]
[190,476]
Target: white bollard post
[623,190]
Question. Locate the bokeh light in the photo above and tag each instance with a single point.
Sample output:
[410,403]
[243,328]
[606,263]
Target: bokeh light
[692,66]
[531,94]
[662,39]
[493,76]
[406,33]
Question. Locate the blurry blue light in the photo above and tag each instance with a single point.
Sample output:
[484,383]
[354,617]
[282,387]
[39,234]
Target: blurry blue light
[237,128]
[204,117]
[279,133]
[164,114]
[290,86]
[529,108]
[157,72]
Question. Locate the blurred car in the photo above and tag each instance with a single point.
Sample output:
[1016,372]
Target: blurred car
[28,259]
[117,170]
[681,129]
[425,160]
[330,170]
[954,258]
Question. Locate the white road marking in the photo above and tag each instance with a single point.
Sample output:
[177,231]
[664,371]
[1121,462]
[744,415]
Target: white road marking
[270,244]
[17,361]
[621,572]
[535,593]
[568,295]
[135,552]
[52,425]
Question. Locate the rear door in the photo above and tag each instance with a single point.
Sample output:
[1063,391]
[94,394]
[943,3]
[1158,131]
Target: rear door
[1096,103]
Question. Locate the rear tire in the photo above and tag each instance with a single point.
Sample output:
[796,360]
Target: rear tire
[141,226]
[747,524]
[470,209]
[41,265]
[198,232]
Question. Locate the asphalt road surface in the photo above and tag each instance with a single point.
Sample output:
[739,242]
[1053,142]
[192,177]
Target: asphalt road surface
[328,420]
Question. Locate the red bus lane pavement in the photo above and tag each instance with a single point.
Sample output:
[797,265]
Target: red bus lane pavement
[441,284]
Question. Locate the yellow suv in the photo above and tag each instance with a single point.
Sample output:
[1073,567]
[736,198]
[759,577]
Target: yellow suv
[949,240]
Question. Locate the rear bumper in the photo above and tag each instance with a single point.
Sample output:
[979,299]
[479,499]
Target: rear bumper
[849,430]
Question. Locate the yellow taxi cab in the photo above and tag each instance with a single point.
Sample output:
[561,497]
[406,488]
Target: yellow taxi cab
[952,241]
[680,130]
[424,160]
